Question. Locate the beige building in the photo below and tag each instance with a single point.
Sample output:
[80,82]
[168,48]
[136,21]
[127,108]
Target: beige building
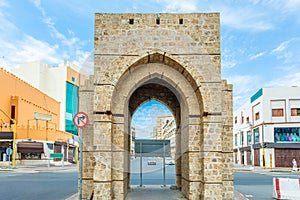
[165,130]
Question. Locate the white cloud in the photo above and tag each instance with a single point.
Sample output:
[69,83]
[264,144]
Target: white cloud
[292,79]
[228,62]
[253,57]
[69,42]
[6,27]
[243,87]
[288,51]
[245,19]
[292,5]
[30,49]
[145,118]
[281,47]
[179,5]
[18,47]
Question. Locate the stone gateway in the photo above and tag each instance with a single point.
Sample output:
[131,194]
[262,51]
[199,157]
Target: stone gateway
[171,58]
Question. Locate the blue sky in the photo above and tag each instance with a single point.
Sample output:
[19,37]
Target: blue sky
[260,39]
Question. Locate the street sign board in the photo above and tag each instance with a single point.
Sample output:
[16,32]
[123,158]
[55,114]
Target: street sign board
[152,148]
[81,119]
[56,155]
[8,151]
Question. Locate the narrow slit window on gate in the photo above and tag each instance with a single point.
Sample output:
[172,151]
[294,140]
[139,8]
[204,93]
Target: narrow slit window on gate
[157,21]
[131,21]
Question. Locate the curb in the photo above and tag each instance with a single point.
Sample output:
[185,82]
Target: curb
[38,169]
[73,197]
[239,196]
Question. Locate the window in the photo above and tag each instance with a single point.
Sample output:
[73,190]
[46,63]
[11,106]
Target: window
[157,21]
[256,135]
[180,21]
[235,140]
[72,103]
[235,120]
[257,116]
[249,137]
[242,138]
[287,134]
[295,112]
[30,156]
[73,79]
[247,119]
[131,21]
[242,119]
[277,112]
[12,113]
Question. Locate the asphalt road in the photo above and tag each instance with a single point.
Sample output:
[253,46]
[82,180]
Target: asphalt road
[25,185]
[258,186]
[37,185]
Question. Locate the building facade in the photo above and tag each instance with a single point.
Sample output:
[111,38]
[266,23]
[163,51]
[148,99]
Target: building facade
[267,128]
[38,118]
[165,130]
[60,82]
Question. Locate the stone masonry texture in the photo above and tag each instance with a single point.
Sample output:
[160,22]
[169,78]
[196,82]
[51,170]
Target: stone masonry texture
[172,58]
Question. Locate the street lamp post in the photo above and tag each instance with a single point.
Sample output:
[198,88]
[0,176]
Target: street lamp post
[263,146]
[252,142]
[14,152]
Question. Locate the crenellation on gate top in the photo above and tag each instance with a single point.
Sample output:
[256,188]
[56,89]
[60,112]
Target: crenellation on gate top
[156,19]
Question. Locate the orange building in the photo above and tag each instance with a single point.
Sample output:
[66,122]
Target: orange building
[37,116]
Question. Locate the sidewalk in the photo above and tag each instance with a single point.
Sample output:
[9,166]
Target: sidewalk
[238,167]
[39,168]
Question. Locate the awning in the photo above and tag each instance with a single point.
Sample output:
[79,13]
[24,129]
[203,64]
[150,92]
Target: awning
[30,147]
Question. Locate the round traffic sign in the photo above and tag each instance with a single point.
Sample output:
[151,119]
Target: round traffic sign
[8,151]
[81,119]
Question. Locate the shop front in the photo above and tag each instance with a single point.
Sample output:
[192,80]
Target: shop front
[6,139]
[30,150]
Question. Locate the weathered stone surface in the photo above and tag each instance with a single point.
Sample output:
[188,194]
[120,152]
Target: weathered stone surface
[176,62]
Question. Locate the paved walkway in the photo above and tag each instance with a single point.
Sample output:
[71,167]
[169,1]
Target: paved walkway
[156,192]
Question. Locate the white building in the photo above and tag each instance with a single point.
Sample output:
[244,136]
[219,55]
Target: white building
[267,128]
[165,130]
[61,83]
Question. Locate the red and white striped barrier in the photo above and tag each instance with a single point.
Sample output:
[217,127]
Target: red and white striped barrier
[286,188]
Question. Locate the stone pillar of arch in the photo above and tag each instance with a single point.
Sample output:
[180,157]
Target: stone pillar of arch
[180,59]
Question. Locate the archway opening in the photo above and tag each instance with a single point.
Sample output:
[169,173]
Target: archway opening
[160,82]
[154,122]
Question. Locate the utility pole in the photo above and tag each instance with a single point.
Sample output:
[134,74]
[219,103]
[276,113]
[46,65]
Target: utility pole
[263,146]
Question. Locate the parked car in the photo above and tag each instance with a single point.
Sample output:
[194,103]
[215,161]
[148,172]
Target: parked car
[169,161]
[151,161]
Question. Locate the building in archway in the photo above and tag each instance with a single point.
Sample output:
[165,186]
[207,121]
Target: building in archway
[165,130]
[171,58]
